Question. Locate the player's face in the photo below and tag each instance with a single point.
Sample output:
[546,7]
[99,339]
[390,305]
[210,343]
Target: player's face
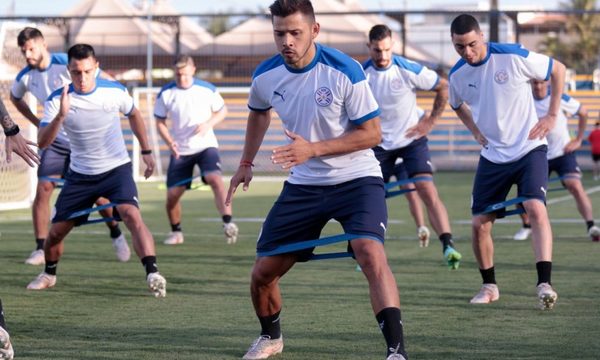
[470,46]
[184,76]
[294,37]
[83,74]
[539,88]
[34,50]
[381,52]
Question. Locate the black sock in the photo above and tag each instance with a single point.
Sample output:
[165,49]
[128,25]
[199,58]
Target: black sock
[526,226]
[544,270]
[589,224]
[2,323]
[39,244]
[390,323]
[149,263]
[50,267]
[115,231]
[271,325]
[226,219]
[488,275]
[176,227]
[446,239]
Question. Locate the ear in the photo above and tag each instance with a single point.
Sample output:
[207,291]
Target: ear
[316,27]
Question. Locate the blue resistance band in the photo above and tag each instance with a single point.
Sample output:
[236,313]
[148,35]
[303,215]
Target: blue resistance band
[288,248]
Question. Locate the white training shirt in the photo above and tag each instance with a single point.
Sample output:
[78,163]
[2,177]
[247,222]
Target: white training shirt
[559,136]
[322,101]
[188,108]
[498,93]
[395,89]
[93,125]
[41,83]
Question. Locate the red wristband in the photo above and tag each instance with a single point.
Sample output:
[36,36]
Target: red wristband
[246,163]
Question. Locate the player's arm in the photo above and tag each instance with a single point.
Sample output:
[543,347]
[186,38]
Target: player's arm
[163,131]
[465,115]
[427,122]
[136,121]
[574,144]
[557,83]
[256,128]
[24,109]
[48,133]
[364,136]
[14,141]
[216,117]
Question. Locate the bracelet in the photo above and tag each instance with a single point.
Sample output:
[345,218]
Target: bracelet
[146,152]
[12,131]
[246,163]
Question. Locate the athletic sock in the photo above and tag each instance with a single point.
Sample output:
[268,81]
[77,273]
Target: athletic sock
[390,323]
[226,219]
[544,270]
[488,275]
[39,244]
[526,226]
[271,325]
[446,239]
[2,323]
[50,267]
[176,227]
[115,231]
[149,263]
[589,224]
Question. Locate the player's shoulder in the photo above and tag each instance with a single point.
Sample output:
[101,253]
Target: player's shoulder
[56,93]
[204,85]
[459,64]
[24,71]
[406,64]
[339,61]
[267,65]
[59,58]
[508,48]
[109,84]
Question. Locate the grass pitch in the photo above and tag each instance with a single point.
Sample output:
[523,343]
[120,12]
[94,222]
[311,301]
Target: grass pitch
[100,308]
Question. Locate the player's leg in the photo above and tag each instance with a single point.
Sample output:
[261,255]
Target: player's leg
[209,163]
[414,204]
[180,169]
[525,230]
[596,166]
[118,240]
[483,249]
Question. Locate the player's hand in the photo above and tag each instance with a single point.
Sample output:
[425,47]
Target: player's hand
[20,146]
[65,103]
[174,149]
[481,139]
[201,129]
[572,145]
[422,128]
[242,175]
[543,127]
[296,153]
[149,161]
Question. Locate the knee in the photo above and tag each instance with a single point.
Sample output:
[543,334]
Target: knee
[480,226]
[260,278]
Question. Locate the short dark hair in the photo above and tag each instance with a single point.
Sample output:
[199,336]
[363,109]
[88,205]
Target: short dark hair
[80,52]
[183,60]
[27,34]
[283,8]
[463,24]
[379,32]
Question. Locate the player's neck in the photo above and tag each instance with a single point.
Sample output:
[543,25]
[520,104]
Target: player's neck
[45,63]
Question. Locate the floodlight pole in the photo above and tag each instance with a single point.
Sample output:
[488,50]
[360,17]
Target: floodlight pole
[494,21]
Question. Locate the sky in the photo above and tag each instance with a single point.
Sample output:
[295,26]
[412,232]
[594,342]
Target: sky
[56,7]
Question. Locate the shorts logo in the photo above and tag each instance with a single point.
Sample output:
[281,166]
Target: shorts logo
[501,76]
[323,96]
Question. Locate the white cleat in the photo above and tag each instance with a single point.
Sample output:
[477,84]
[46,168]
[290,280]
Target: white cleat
[174,238]
[395,357]
[6,349]
[231,232]
[522,234]
[264,347]
[121,248]
[36,258]
[487,294]
[423,234]
[547,296]
[157,284]
[42,281]
[594,233]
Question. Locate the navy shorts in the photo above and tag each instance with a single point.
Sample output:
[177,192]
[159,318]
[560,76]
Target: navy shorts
[415,158]
[301,212]
[80,192]
[182,169]
[54,160]
[400,172]
[566,164]
[493,181]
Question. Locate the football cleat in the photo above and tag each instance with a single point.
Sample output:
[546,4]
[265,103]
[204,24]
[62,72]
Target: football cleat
[487,294]
[174,238]
[522,234]
[594,233]
[36,258]
[452,258]
[423,234]
[231,232]
[6,349]
[157,284]
[121,248]
[42,281]
[547,296]
[264,347]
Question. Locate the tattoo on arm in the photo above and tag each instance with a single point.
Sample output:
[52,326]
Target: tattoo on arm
[7,122]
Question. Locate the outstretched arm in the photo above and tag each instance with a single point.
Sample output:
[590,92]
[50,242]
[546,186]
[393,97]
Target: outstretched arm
[557,84]
[427,122]
[575,143]
[136,122]
[464,114]
[15,142]
[24,109]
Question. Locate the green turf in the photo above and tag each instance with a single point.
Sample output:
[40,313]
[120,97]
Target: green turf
[100,308]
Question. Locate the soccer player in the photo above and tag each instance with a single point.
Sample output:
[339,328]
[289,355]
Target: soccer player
[6,349]
[594,139]
[394,81]
[331,120]
[561,155]
[44,73]
[88,110]
[195,107]
[490,92]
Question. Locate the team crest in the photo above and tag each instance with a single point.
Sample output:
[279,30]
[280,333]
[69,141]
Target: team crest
[110,107]
[396,84]
[323,96]
[501,76]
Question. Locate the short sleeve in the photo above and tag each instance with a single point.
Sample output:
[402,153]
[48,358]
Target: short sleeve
[217,102]
[569,104]
[426,79]
[453,96]
[126,103]
[51,107]
[360,103]
[18,88]
[257,101]
[160,109]
[535,66]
